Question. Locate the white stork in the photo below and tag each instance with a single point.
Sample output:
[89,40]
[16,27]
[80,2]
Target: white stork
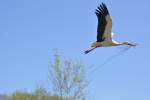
[104,30]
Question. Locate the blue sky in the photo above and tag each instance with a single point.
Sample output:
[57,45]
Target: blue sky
[31,29]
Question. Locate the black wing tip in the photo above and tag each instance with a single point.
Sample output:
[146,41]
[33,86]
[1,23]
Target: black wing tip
[103,4]
[102,8]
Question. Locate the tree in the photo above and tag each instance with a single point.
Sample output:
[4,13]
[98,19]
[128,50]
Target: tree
[18,95]
[67,79]
[39,93]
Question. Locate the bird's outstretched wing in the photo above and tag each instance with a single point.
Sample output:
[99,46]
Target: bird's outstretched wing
[104,23]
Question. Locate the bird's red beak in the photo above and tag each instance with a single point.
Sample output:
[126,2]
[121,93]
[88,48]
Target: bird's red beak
[133,45]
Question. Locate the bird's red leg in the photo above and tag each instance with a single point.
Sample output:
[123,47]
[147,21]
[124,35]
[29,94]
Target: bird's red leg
[87,51]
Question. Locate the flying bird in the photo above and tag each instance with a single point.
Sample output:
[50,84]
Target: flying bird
[104,30]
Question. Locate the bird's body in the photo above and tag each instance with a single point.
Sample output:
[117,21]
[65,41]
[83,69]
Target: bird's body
[104,30]
[105,44]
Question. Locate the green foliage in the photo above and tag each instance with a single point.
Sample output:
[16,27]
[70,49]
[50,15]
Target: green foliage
[22,96]
[40,93]
[67,79]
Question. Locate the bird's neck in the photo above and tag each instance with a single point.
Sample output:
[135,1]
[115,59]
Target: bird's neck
[115,43]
